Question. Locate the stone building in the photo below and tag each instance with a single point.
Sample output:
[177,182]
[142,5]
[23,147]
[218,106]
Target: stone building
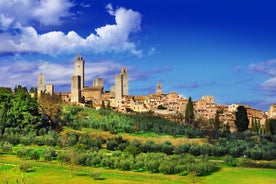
[50,89]
[205,108]
[272,112]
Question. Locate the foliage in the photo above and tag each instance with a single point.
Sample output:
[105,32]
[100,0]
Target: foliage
[6,147]
[95,175]
[25,167]
[272,125]
[229,160]
[161,107]
[241,121]
[18,110]
[50,107]
[189,113]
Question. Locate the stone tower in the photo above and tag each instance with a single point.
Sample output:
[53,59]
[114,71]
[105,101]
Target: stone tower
[124,81]
[159,88]
[40,84]
[50,89]
[79,70]
[75,89]
[121,86]
[98,82]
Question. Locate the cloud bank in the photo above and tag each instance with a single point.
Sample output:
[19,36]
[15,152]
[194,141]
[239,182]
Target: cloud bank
[18,33]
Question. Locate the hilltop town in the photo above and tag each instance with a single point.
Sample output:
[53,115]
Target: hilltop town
[171,105]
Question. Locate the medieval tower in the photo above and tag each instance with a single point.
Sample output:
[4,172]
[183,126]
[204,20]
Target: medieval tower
[79,70]
[77,81]
[40,84]
[159,88]
[121,86]
[75,89]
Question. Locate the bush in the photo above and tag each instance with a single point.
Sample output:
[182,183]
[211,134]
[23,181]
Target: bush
[167,167]
[48,154]
[152,165]
[194,150]
[7,147]
[24,153]
[257,164]
[25,167]
[183,148]
[180,169]
[95,175]
[34,155]
[230,161]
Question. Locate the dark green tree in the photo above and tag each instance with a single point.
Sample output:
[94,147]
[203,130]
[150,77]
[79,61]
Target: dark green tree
[267,128]
[272,124]
[189,113]
[241,121]
[217,121]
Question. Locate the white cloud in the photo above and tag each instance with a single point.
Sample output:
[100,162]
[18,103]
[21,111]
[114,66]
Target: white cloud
[267,68]
[46,12]
[49,12]
[269,86]
[25,38]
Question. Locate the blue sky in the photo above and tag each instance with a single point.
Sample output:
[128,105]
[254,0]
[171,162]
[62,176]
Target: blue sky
[194,47]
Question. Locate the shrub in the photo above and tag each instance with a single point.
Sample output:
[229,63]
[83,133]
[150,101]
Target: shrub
[230,161]
[180,169]
[24,167]
[7,147]
[34,155]
[167,167]
[48,154]
[95,175]
[183,148]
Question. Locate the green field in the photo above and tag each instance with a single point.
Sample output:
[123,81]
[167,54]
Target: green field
[53,172]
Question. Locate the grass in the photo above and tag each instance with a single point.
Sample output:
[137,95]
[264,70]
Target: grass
[53,172]
[140,136]
[230,175]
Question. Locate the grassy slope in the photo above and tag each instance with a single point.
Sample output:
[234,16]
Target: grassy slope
[141,137]
[53,172]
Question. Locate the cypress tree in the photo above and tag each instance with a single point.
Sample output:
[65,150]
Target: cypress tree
[189,113]
[241,121]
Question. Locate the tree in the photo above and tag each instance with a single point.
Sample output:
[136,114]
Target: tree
[241,121]
[50,107]
[217,122]
[267,128]
[272,124]
[189,113]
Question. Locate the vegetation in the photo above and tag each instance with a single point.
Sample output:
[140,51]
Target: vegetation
[189,113]
[47,130]
[241,121]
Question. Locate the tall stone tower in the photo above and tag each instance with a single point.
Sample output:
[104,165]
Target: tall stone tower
[79,70]
[124,81]
[121,86]
[159,88]
[75,89]
[40,84]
